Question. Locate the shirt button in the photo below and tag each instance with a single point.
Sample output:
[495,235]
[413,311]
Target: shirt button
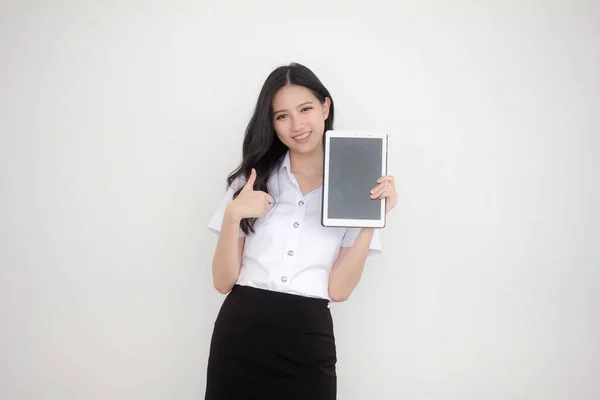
[296,224]
[291,253]
[284,279]
[301,203]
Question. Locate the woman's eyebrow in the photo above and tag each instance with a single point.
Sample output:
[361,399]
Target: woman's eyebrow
[303,104]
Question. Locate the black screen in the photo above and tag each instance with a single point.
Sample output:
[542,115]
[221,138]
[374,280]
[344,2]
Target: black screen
[354,167]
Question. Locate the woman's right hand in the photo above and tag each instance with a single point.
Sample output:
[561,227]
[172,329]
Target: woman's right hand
[250,203]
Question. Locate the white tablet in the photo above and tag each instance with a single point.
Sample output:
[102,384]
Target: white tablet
[353,163]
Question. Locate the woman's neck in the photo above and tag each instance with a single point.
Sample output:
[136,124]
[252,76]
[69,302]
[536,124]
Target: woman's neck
[307,163]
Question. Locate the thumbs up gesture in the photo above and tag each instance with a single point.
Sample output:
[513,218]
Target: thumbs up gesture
[250,203]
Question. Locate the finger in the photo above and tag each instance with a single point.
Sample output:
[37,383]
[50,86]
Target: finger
[265,197]
[250,184]
[382,191]
[387,194]
[377,190]
[387,178]
[267,208]
[379,187]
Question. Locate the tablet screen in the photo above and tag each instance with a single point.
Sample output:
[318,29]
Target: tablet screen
[355,164]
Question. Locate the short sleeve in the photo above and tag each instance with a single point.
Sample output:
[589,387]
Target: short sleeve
[351,235]
[216,221]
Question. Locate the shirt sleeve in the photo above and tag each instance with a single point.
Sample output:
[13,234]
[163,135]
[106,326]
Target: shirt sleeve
[216,221]
[351,235]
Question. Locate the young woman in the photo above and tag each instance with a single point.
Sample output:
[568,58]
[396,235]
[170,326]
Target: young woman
[273,337]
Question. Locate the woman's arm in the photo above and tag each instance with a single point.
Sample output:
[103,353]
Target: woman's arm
[349,265]
[227,260]
[228,254]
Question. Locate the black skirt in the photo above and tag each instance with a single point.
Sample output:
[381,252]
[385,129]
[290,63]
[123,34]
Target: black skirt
[272,345]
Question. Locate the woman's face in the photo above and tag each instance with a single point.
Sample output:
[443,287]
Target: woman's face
[299,118]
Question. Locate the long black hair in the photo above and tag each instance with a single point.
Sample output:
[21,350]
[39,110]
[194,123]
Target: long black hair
[262,149]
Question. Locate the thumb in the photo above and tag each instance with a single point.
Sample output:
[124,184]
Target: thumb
[250,184]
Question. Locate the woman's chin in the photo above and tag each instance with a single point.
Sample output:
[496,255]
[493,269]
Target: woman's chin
[304,149]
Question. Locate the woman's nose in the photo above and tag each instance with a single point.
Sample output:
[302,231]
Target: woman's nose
[297,123]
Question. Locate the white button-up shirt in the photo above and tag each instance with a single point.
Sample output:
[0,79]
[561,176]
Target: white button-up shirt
[290,251]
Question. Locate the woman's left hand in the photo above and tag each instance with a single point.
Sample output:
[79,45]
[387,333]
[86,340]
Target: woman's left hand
[386,190]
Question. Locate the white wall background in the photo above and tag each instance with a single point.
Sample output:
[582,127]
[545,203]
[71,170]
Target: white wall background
[120,120]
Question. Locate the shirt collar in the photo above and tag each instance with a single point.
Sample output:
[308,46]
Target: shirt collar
[285,163]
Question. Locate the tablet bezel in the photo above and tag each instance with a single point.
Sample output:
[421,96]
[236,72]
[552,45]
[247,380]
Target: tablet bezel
[326,221]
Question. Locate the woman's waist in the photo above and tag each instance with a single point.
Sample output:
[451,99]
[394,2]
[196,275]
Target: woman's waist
[258,307]
[310,282]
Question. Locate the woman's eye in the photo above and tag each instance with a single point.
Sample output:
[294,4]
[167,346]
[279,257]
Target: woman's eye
[281,116]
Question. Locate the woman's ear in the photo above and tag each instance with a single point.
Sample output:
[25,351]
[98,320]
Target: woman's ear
[326,106]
